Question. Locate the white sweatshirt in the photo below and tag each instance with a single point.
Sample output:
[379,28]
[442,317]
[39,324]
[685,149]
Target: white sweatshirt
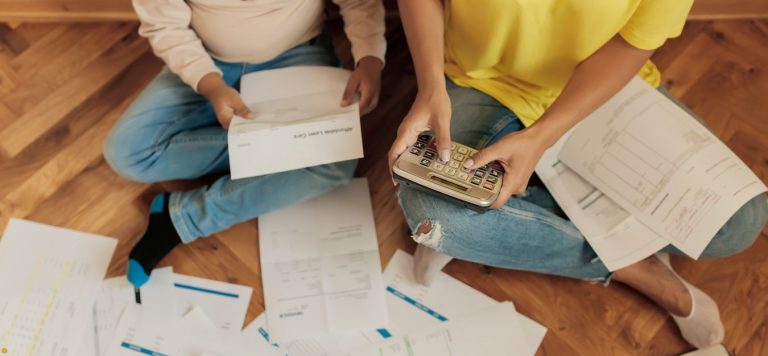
[186,34]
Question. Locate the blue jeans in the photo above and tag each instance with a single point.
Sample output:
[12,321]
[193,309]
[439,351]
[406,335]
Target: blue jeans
[530,232]
[171,132]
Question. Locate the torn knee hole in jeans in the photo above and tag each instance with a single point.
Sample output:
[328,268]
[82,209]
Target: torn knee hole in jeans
[429,234]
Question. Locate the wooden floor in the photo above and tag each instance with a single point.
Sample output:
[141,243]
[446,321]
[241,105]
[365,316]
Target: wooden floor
[62,86]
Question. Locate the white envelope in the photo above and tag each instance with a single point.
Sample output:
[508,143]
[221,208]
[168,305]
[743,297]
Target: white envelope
[299,122]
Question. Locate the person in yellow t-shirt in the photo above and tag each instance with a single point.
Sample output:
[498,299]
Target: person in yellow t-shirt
[520,74]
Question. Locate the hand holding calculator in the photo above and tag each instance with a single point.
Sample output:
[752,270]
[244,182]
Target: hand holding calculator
[419,167]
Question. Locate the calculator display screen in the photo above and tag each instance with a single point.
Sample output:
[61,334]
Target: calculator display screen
[449,183]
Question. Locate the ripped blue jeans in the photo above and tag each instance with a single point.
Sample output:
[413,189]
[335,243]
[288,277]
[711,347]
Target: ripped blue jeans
[530,232]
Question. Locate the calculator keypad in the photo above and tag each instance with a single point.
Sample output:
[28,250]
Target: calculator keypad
[486,177]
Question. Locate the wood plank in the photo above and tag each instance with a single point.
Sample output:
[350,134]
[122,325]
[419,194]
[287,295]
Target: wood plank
[61,102]
[62,167]
[66,10]
[42,74]
[729,9]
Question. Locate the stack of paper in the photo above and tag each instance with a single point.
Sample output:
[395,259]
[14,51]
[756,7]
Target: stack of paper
[447,318]
[640,173]
[172,307]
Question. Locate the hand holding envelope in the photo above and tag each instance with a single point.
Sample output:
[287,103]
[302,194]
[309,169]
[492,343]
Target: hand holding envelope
[298,124]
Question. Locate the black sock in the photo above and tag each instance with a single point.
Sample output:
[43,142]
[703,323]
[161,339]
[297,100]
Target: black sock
[159,239]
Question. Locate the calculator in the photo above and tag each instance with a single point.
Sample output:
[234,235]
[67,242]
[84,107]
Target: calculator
[421,168]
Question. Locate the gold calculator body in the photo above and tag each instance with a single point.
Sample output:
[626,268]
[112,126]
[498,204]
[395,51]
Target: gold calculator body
[420,167]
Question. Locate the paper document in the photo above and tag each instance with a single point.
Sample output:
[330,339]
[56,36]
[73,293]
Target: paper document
[332,345]
[299,122]
[225,303]
[617,237]
[661,165]
[116,294]
[194,334]
[493,331]
[414,307]
[320,266]
[50,277]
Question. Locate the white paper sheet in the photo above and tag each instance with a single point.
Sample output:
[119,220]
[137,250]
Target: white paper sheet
[299,122]
[195,334]
[113,298]
[320,266]
[616,236]
[492,331]
[138,324]
[225,303]
[660,164]
[50,277]
[414,307]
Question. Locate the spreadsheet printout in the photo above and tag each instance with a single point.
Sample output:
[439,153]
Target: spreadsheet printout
[50,277]
[660,164]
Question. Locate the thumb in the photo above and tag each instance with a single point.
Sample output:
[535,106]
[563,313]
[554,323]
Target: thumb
[349,92]
[481,158]
[242,110]
[443,135]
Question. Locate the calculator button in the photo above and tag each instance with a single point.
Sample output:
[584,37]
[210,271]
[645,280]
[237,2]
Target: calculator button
[419,145]
[450,171]
[494,173]
[492,180]
[484,168]
[438,166]
[479,174]
[425,162]
[415,151]
[424,138]
[462,175]
[476,181]
[488,186]
[462,150]
[458,156]
[453,164]
[453,146]
[430,155]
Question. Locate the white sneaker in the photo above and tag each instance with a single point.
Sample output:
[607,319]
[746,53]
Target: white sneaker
[702,327]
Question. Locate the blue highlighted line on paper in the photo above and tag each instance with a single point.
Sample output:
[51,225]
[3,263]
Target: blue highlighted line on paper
[384,333]
[204,290]
[140,349]
[265,335]
[416,304]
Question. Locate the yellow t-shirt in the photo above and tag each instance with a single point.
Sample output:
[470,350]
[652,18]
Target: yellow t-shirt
[522,52]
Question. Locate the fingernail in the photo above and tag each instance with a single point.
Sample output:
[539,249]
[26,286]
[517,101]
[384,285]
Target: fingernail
[469,163]
[251,115]
[445,155]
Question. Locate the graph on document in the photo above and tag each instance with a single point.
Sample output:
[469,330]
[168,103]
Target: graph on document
[638,170]
[36,308]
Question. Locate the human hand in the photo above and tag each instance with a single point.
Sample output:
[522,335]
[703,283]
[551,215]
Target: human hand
[518,153]
[430,111]
[366,80]
[226,100]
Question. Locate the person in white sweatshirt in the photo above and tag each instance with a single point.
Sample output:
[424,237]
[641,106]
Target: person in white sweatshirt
[176,129]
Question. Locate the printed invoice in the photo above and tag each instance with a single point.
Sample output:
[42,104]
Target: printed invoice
[660,164]
[320,266]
